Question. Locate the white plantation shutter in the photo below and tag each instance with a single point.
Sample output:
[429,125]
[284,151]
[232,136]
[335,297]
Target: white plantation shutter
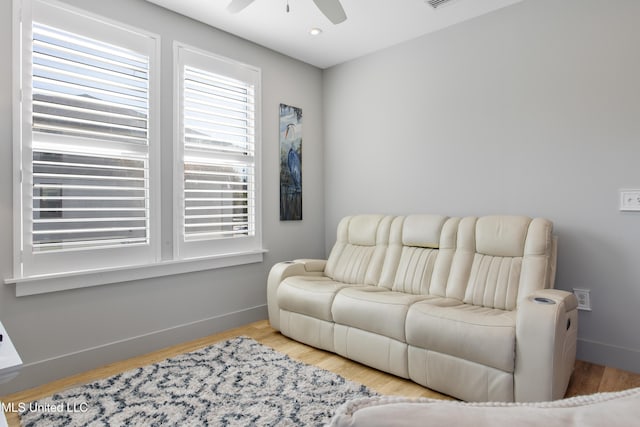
[88,154]
[86,88]
[95,93]
[217,155]
[82,201]
[87,183]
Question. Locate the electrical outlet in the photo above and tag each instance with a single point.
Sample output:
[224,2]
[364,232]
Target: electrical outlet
[630,200]
[584,300]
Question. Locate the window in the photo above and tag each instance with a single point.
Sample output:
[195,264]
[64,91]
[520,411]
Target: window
[88,197]
[88,143]
[217,154]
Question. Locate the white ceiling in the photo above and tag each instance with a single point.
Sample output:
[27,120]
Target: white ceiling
[371,25]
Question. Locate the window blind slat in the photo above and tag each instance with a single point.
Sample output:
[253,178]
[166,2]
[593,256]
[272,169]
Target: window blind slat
[111,243]
[86,76]
[216,216]
[213,105]
[209,208]
[87,47]
[75,88]
[117,202]
[96,105]
[217,234]
[118,179]
[209,125]
[87,88]
[218,142]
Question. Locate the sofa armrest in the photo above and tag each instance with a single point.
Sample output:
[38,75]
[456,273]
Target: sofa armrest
[546,335]
[282,270]
[312,265]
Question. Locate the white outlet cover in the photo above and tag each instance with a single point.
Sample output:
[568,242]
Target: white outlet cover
[584,300]
[629,200]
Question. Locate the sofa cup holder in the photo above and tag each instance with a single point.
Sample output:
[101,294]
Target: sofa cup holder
[542,300]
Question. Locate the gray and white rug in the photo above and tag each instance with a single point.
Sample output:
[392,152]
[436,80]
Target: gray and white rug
[238,382]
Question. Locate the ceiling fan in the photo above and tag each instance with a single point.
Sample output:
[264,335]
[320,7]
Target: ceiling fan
[332,9]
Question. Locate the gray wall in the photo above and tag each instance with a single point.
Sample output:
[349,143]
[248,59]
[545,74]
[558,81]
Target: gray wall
[533,109]
[62,333]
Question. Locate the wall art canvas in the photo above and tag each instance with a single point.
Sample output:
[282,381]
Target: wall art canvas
[290,163]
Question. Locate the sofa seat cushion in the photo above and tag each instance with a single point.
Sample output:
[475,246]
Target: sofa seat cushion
[309,295]
[374,309]
[478,334]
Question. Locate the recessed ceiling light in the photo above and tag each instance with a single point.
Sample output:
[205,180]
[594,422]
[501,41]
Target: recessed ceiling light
[315,31]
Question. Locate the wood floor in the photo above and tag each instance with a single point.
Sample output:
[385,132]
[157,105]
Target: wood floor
[587,378]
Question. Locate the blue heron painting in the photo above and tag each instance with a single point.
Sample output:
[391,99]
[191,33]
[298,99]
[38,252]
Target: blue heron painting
[293,162]
[290,163]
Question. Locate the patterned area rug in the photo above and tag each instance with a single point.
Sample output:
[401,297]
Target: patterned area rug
[238,382]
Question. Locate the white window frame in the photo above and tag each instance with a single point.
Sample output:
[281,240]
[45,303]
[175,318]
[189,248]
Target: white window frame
[163,263]
[28,263]
[198,58]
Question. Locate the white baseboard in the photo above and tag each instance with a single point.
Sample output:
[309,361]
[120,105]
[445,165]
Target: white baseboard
[43,371]
[599,353]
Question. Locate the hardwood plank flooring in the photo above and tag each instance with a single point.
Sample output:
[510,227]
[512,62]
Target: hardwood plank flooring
[587,378]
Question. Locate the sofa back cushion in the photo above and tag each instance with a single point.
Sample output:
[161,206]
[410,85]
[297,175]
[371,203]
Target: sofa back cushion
[512,258]
[419,255]
[361,245]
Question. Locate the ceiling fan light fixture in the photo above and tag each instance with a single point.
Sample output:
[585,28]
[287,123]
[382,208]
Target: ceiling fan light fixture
[332,9]
[437,3]
[315,31]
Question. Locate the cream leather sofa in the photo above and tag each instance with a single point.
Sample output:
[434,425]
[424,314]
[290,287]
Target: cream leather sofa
[619,409]
[464,306]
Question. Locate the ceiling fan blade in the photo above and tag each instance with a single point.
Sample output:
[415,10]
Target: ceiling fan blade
[332,9]
[237,5]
